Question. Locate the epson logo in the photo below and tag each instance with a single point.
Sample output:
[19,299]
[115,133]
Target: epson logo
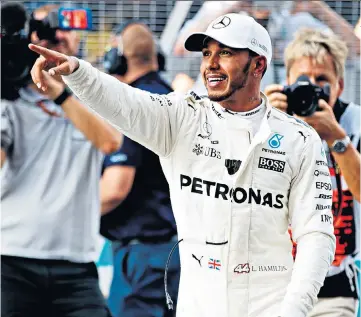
[318,162]
[321,185]
[238,195]
[323,207]
[272,165]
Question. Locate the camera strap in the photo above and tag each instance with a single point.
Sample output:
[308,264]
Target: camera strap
[337,210]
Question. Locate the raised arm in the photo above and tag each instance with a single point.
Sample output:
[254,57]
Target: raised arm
[99,132]
[321,11]
[310,204]
[149,119]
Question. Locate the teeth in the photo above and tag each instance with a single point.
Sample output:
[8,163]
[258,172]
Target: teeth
[215,79]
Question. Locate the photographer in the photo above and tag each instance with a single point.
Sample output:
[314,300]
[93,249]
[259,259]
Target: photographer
[320,60]
[51,152]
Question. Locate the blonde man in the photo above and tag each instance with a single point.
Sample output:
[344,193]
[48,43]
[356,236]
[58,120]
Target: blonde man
[322,58]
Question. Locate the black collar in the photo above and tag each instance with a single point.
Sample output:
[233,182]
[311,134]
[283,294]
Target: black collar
[339,108]
[151,76]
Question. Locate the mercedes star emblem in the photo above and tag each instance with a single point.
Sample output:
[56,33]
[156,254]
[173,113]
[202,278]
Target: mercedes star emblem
[222,23]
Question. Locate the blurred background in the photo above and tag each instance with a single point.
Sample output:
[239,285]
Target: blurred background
[171,20]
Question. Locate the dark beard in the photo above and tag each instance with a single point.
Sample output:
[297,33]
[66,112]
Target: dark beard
[235,86]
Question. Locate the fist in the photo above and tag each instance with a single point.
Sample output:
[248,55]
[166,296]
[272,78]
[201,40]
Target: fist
[276,98]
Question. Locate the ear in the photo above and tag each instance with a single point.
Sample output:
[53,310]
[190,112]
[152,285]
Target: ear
[341,86]
[260,65]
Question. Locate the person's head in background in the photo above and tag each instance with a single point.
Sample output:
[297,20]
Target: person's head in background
[66,42]
[134,52]
[319,56]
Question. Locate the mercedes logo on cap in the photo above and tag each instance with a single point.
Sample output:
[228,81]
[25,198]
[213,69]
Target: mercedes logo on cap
[221,23]
[254,42]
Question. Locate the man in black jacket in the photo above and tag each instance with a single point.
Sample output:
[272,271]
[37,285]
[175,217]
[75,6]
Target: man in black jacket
[136,208]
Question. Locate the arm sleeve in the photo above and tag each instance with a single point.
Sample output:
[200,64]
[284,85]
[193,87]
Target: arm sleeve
[7,127]
[130,154]
[310,205]
[149,119]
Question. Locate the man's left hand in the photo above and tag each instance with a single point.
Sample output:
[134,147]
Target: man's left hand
[54,87]
[325,123]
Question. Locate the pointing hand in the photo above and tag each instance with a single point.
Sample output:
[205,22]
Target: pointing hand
[56,64]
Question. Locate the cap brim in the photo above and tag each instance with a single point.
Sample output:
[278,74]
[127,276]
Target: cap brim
[195,42]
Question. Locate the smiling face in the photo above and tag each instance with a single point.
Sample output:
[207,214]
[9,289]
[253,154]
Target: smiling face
[224,70]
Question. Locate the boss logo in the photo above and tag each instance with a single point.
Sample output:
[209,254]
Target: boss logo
[272,165]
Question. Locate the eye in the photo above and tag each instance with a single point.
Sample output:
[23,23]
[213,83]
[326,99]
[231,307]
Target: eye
[225,53]
[205,53]
[322,79]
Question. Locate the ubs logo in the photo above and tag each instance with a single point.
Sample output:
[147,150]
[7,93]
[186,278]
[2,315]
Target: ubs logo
[206,151]
[221,23]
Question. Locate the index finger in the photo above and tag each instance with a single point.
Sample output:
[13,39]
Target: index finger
[43,51]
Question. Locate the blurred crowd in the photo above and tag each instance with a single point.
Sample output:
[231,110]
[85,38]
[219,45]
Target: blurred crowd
[60,215]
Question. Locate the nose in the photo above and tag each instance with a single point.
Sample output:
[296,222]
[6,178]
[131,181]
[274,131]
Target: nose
[213,62]
[312,80]
[59,34]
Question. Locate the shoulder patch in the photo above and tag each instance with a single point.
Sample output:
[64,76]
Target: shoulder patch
[193,100]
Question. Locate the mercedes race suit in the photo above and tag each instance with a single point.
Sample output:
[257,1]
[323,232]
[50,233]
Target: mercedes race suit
[233,195]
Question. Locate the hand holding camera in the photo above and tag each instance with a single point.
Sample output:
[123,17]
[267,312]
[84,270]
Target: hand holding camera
[307,102]
[56,64]
[325,123]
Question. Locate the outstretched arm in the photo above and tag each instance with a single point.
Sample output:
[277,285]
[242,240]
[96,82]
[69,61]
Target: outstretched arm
[99,132]
[149,119]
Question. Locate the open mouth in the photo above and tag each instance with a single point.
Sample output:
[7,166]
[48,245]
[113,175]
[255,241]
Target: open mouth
[215,81]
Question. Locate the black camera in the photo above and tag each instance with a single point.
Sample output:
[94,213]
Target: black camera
[303,96]
[16,58]
[16,28]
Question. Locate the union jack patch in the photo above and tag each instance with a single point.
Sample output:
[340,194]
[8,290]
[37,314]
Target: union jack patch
[214,264]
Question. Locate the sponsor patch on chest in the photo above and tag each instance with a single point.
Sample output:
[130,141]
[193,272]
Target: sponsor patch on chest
[271,164]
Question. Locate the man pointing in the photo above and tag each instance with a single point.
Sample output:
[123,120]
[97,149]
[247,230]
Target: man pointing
[239,173]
